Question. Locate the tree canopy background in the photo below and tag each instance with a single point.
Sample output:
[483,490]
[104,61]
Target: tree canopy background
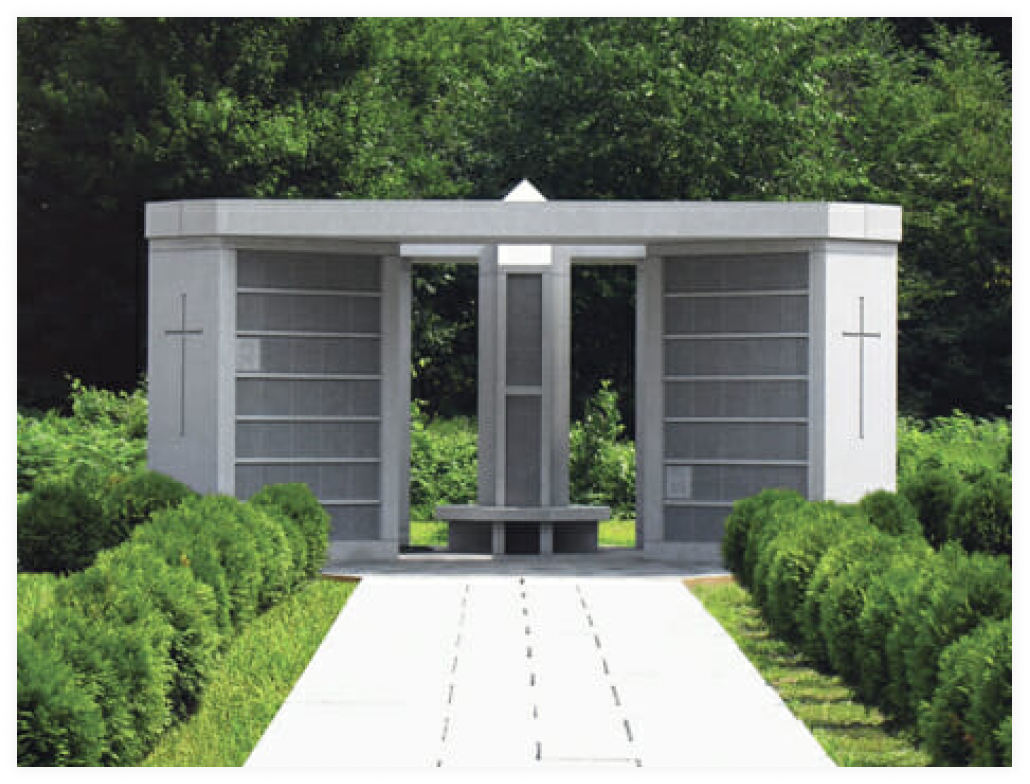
[113,113]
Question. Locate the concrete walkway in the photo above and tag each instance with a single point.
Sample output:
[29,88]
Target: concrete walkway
[531,671]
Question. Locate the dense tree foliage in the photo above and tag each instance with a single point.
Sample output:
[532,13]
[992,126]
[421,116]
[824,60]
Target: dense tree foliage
[116,112]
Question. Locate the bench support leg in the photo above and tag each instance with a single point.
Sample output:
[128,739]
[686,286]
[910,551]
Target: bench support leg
[546,538]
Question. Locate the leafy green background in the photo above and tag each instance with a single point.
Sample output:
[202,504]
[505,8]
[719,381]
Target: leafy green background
[113,113]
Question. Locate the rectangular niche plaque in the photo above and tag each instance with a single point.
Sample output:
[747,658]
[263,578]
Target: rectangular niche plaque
[679,480]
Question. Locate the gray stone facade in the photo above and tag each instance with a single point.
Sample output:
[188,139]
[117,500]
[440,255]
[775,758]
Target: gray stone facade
[279,350]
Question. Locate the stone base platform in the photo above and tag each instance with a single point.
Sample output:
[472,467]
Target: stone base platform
[522,530]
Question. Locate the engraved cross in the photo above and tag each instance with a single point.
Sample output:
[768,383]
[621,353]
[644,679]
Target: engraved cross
[182,333]
[861,335]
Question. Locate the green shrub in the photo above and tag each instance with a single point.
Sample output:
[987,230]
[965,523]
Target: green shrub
[1003,737]
[135,634]
[443,462]
[761,518]
[953,592]
[780,513]
[35,595]
[220,525]
[123,668]
[61,527]
[958,442]
[891,513]
[965,722]
[981,519]
[602,466]
[299,503]
[59,721]
[179,536]
[126,411]
[932,490]
[276,568]
[738,527]
[132,581]
[833,599]
[883,596]
[793,555]
[105,434]
[130,499]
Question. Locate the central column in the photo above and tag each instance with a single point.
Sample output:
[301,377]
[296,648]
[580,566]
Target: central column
[524,348]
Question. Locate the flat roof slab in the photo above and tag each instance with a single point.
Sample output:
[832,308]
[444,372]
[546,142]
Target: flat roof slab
[552,222]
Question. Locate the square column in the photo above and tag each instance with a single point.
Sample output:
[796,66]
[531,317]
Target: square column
[853,388]
[191,362]
[524,348]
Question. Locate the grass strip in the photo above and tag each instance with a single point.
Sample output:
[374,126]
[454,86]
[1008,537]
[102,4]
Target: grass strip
[853,734]
[610,533]
[252,680]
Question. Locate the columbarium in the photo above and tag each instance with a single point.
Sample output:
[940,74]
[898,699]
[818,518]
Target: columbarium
[279,351]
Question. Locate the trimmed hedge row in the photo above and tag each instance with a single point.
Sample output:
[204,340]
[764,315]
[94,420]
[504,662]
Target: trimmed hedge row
[918,632]
[110,657]
[973,509]
[67,520]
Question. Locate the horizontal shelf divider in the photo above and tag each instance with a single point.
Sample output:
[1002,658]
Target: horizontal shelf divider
[759,377]
[291,333]
[733,462]
[738,420]
[740,293]
[307,292]
[311,376]
[305,418]
[736,336]
[523,390]
[697,503]
[305,460]
[351,502]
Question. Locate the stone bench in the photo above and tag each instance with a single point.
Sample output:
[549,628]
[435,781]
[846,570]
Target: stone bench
[522,529]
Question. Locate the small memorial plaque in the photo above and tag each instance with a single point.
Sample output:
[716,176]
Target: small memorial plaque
[248,354]
[678,481]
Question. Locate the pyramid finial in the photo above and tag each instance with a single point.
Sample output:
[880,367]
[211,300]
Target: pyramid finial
[525,191]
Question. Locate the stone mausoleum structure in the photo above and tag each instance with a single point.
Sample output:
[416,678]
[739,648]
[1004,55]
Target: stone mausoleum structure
[280,342]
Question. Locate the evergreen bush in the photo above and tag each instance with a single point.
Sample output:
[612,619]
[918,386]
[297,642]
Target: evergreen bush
[771,510]
[981,519]
[883,596]
[891,513]
[952,593]
[61,526]
[130,499]
[602,465]
[123,668]
[179,537]
[59,721]
[836,591]
[443,462]
[129,642]
[932,490]
[971,710]
[779,515]
[35,595]
[299,503]
[276,568]
[845,598]
[739,523]
[792,557]
[132,581]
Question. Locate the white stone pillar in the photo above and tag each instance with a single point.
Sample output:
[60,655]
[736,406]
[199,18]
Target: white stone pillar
[191,362]
[649,404]
[853,384]
[395,434]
